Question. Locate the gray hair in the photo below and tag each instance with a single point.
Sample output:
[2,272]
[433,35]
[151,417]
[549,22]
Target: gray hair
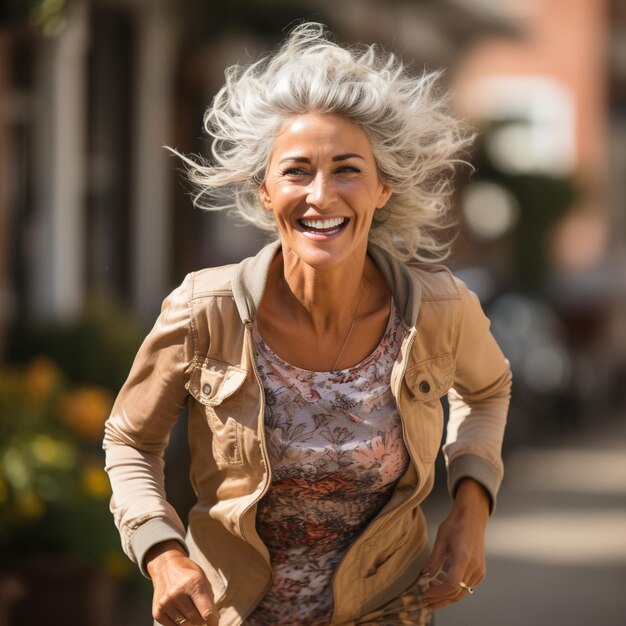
[414,137]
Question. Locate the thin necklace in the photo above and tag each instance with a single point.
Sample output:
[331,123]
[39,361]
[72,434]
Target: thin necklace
[345,343]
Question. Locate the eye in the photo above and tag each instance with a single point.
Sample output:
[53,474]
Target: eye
[347,169]
[295,171]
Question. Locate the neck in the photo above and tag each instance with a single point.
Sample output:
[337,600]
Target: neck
[326,299]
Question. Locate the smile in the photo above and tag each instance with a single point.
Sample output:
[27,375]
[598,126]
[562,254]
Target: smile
[323,226]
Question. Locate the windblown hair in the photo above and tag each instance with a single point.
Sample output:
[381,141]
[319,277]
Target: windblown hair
[415,139]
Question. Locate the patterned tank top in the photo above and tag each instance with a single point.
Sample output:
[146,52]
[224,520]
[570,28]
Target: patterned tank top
[336,451]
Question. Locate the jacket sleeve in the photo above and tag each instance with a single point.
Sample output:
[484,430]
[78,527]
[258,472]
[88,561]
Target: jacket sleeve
[479,402]
[138,430]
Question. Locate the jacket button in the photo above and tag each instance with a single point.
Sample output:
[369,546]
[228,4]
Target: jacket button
[206,389]
[424,386]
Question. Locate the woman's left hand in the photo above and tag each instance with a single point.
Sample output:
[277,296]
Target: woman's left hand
[458,555]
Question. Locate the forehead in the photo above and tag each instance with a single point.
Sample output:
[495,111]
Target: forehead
[324,132]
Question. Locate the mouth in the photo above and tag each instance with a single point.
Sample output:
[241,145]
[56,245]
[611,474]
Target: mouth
[329,226]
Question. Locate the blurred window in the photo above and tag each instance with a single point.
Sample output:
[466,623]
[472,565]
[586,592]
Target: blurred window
[539,135]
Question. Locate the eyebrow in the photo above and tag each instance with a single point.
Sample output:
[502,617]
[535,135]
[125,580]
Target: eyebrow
[338,157]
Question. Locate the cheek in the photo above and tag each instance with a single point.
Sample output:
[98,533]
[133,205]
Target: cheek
[288,197]
[363,194]
[284,204]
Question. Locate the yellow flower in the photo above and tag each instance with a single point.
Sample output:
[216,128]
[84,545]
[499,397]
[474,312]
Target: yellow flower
[95,482]
[51,452]
[85,411]
[16,468]
[41,376]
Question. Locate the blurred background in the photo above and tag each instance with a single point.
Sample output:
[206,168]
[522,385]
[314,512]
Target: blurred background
[97,226]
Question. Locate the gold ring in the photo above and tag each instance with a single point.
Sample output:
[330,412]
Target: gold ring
[181,620]
[466,587]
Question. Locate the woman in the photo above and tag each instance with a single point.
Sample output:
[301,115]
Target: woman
[314,370]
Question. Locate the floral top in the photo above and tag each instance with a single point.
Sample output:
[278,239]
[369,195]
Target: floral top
[336,451]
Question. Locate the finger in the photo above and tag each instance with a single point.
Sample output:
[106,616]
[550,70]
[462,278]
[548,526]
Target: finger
[444,592]
[454,595]
[439,585]
[187,610]
[205,607]
[437,560]
[164,612]
[461,568]
[177,609]
[434,606]
[440,600]
[478,575]
[164,619]
[446,598]
[179,619]
[196,606]
[467,588]
[472,577]
[440,594]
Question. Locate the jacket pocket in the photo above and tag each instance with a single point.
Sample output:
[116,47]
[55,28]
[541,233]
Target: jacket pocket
[212,383]
[429,381]
[386,555]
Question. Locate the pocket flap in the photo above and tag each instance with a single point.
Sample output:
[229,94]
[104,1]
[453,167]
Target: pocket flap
[213,381]
[431,379]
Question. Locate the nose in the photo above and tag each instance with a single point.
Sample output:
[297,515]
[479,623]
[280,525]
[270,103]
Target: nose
[320,192]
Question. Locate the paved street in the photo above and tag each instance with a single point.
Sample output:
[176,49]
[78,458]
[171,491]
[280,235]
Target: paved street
[557,544]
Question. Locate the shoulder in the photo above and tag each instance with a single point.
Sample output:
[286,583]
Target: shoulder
[437,282]
[205,300]
[197,285]
[211,281]
[200,294]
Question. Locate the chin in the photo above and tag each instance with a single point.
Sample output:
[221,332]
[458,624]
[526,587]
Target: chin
[318,257]
[325,255]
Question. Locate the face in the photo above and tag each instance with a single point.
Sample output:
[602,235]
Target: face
[323,187]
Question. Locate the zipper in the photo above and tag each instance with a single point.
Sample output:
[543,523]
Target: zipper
[378,519]
[267,465]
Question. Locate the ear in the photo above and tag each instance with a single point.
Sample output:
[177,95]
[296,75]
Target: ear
[265,197]
[385,193]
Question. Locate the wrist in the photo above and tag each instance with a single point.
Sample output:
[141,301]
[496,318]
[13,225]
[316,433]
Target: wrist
[471,497]
[162,552]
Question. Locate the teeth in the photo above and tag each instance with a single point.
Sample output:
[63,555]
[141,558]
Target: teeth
[323,224]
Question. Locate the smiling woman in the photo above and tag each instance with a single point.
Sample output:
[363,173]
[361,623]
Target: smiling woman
[317,189]
[415,138]
[313,371]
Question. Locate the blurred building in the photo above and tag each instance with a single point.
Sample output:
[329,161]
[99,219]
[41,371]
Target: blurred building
[545,213]
[552,87]
[91,203]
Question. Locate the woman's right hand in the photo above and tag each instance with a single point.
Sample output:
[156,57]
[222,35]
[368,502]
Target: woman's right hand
[181,589]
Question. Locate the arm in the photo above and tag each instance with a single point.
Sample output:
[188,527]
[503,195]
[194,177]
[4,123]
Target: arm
[138,430]
[136,435]
[478,407]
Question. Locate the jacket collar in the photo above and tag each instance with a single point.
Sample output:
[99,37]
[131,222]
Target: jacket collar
[250,277]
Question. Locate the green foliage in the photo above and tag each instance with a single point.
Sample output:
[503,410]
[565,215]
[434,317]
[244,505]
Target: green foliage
[49,15]
[98,348]
[53,490]
[54,399]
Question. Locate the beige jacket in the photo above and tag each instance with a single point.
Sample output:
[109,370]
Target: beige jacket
[200,353]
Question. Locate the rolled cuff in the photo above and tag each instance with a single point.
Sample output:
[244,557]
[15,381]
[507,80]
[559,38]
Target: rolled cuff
[475,467]
[149,534]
